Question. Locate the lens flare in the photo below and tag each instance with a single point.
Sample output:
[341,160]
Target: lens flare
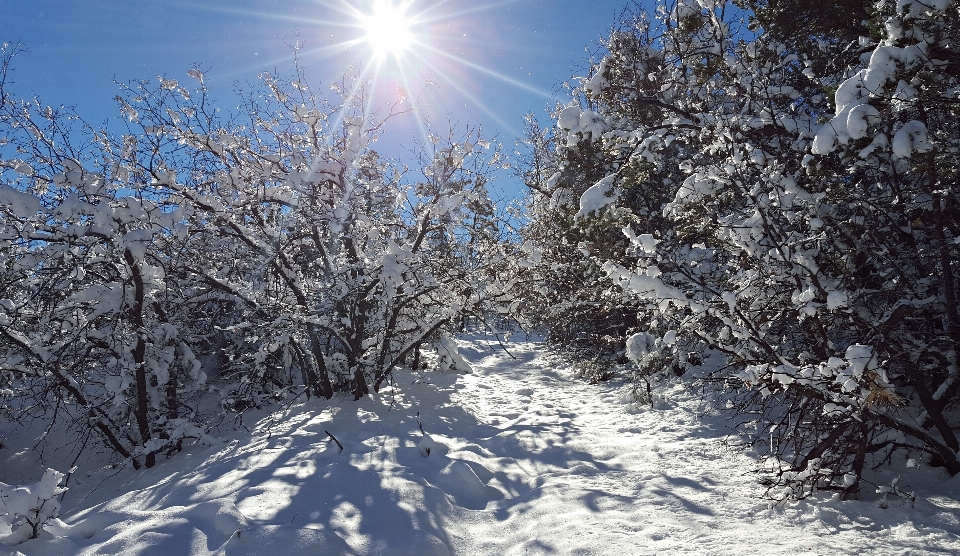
[387,29]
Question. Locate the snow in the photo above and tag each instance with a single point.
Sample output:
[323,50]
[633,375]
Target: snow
[569,118]
[854,113]
[646,242]
[859,118]
[22,204]
[836,300]
[598,196]
[37,503]
[525,459]
[579,123]
[426,446]
[859,357]
[639,345]
[595,85]
[913,8]
[910,138]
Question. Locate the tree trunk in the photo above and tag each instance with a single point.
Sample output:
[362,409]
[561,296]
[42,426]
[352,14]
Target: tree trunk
[135,316]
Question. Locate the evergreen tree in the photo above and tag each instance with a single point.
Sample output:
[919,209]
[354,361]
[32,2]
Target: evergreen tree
[805,231]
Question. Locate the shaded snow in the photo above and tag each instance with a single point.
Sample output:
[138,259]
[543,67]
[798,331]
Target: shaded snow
[910,138]
[524,459]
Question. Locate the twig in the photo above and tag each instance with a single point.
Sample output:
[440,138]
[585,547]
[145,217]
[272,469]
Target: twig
[73,464]
[496,334]
[419,424]
[286,405]
[334,438]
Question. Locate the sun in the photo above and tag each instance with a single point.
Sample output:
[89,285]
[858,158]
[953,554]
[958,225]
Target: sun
[387,29]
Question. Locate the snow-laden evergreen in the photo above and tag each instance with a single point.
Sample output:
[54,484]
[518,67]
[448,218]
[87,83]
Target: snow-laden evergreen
[809,227]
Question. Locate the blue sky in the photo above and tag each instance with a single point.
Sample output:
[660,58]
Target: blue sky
[492,61]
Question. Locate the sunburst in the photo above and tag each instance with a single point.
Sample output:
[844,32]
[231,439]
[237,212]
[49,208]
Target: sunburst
[403,47]
[387,29]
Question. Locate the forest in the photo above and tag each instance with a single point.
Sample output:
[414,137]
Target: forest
[760,193]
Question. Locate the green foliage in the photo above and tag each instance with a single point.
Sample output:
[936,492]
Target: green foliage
[788,195]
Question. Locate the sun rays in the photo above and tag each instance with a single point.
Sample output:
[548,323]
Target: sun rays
[422,42]
[414,53]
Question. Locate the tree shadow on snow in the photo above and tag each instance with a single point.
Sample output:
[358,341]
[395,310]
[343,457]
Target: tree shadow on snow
[290,490]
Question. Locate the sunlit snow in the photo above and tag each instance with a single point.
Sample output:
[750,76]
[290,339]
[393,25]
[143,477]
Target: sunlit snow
[524,459]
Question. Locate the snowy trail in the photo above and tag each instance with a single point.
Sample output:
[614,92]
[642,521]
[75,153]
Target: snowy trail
[659,481]
[525,461]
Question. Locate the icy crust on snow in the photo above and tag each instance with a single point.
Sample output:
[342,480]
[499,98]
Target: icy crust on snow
[523,459]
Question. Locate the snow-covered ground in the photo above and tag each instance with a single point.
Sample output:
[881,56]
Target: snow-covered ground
[523,460]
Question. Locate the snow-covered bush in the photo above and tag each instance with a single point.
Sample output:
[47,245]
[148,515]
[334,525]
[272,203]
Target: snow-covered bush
[25,510]
[808,234]
[560,286]
[200,253]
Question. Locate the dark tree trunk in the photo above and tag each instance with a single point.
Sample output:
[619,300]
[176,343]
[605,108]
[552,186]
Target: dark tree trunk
[135,316]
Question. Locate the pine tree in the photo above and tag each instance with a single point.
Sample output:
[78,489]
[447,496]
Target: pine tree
[806,225]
